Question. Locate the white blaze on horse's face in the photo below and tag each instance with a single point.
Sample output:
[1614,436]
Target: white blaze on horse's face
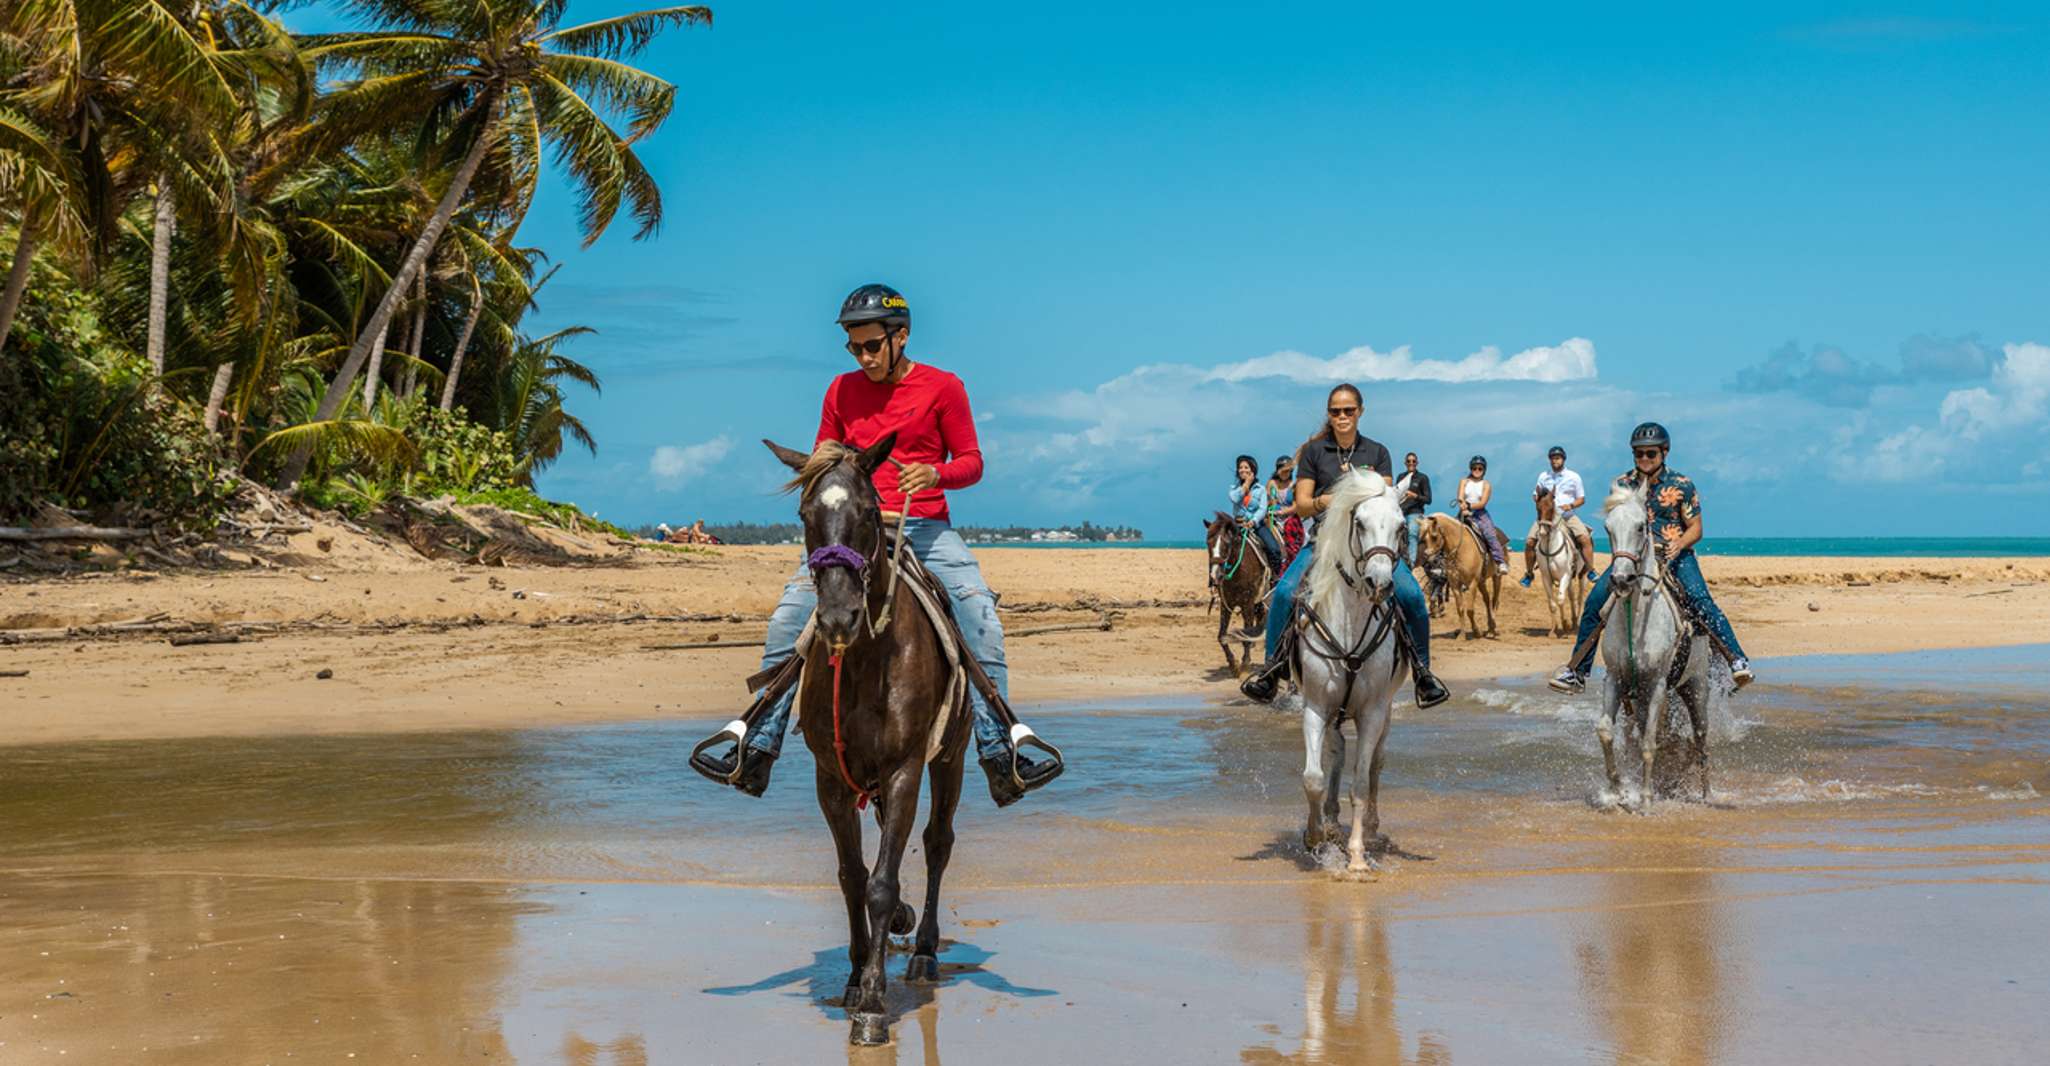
[834,496]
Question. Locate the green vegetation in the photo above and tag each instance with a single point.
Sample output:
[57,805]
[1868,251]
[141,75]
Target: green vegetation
[233,249]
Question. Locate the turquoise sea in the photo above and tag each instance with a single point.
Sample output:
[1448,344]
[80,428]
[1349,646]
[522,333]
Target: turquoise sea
[1873,547]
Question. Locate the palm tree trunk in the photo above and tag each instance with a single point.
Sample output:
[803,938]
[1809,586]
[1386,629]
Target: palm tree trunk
[331,401]
[419,334]
[376,367]
[17,279]
[455,363]
[160,274]
[222,375]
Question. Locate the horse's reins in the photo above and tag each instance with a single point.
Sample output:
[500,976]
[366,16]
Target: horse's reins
[1380,621]
[841,555]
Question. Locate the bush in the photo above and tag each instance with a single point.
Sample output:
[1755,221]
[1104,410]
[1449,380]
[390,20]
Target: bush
[523,499]
[85,425]
[459,456]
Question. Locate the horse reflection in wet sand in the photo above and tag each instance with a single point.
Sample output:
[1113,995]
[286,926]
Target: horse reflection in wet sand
[868,718]
[1352,660]
[1341,950]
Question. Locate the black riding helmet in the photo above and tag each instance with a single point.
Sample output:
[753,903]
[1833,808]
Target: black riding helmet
[1650,435]
[1478,461]
[883,305]
[875,303]
[1556,453]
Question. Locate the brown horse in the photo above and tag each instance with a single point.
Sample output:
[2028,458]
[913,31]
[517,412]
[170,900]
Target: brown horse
[1240,578]
[1452,548]
[874,693]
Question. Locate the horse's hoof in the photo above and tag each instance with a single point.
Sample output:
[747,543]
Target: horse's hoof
[868,1030]
[905,921]
[924,969]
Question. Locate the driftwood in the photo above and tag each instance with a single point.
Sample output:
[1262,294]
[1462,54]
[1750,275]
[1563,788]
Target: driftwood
[697,645]
[206,638]
[19,533]
[1101,625]
[1092,604]
[13,673]
[162,625]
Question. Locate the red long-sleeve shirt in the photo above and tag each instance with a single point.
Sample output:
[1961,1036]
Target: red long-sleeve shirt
[929,411]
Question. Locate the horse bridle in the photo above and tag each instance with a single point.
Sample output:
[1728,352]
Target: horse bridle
[830,556]
[1365,556]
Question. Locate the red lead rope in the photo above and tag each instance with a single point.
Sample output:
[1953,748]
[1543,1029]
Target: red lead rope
[861,795]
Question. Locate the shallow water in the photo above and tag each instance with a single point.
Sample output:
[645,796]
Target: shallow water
[1879,846]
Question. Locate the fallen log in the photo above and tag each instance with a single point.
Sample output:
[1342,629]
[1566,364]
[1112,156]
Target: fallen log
[20,533]
[695,645]
[13,673]
[206,638]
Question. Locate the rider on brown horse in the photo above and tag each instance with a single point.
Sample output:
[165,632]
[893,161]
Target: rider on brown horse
[927,408]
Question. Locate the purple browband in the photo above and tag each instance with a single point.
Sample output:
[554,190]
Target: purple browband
[836,555]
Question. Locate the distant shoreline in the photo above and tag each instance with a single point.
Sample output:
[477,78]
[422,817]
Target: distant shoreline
[1746,547]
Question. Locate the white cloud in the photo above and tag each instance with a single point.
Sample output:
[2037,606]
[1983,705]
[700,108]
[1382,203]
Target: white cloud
[2020,395]
[673,466]
[1570,360]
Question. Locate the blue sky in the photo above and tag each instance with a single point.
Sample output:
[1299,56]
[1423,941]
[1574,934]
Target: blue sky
[1811,238]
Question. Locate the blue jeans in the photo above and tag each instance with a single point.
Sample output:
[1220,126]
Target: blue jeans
[975,609]
[1414,522]
[1269,543]
[1688,572]
[1409,603]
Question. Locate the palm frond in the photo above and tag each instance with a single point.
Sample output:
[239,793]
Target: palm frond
[624,36]
[358,436]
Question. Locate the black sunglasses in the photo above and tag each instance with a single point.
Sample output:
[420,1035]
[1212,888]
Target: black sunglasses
[1645,453]
[870,346]
[1343,412]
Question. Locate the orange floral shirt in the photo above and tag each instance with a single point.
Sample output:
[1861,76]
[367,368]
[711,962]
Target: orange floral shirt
[1671,500]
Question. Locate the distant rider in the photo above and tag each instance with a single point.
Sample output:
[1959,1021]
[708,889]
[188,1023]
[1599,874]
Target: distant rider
[1414,487]
[1281,516]
[1336,450]
[1673,514]
[1474,494]
[1568,494]
[1250,504]
[928,410]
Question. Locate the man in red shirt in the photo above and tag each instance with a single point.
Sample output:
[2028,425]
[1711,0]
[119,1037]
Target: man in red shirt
[928,410]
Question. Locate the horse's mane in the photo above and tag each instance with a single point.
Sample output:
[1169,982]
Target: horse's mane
[1332,546]
[1217,518]
[1619,495]
[823,458]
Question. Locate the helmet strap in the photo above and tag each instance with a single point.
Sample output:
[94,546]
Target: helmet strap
[896,351]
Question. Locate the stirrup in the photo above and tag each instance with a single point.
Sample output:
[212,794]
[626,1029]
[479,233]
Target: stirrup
[736,730]
[1022,736]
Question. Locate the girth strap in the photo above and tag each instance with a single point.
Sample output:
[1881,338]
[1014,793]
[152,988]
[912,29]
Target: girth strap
[1380,620]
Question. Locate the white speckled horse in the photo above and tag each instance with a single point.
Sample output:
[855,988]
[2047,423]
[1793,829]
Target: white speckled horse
[1353,659]
[1649,648]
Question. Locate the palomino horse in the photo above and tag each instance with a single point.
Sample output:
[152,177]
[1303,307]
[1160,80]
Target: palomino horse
[874,693]
[1353,658]
[1239,574]
[1454,549]
[1649,648]
[1559,562]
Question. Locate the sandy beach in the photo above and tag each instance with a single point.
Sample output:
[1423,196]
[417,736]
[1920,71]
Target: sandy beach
[476,841]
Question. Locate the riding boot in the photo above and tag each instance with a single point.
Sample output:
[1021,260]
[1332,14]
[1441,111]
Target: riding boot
[1013,774]
[750,776]
[1430,691]
[1261,685]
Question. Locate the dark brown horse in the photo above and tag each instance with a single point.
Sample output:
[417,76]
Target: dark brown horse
[1240,577]
[875,689]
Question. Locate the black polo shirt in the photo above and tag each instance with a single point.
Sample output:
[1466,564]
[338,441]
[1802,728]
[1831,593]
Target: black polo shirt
[1324,462]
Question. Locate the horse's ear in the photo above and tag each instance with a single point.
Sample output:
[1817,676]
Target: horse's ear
[791,459]
[872,456]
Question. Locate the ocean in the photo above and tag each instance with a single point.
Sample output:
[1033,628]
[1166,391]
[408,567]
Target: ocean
[1864,547]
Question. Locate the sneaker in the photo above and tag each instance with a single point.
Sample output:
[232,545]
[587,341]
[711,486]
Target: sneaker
[1740,672]
[1594,575]
[1568,680]
[1526,581]
[1502,568]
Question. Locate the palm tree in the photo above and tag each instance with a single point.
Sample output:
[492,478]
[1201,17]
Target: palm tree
[94,78]
[528,401]
[462,68]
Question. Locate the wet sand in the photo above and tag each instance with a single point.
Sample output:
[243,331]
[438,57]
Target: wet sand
[1871,886]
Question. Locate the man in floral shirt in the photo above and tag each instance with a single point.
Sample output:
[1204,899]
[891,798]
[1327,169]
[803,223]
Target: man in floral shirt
[1673,509]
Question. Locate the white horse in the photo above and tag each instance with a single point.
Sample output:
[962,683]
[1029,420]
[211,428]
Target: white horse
[1352,661]
[1648,647]
[1559,562]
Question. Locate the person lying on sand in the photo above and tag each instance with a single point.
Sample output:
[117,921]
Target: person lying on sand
[1674,510]
[928,410]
